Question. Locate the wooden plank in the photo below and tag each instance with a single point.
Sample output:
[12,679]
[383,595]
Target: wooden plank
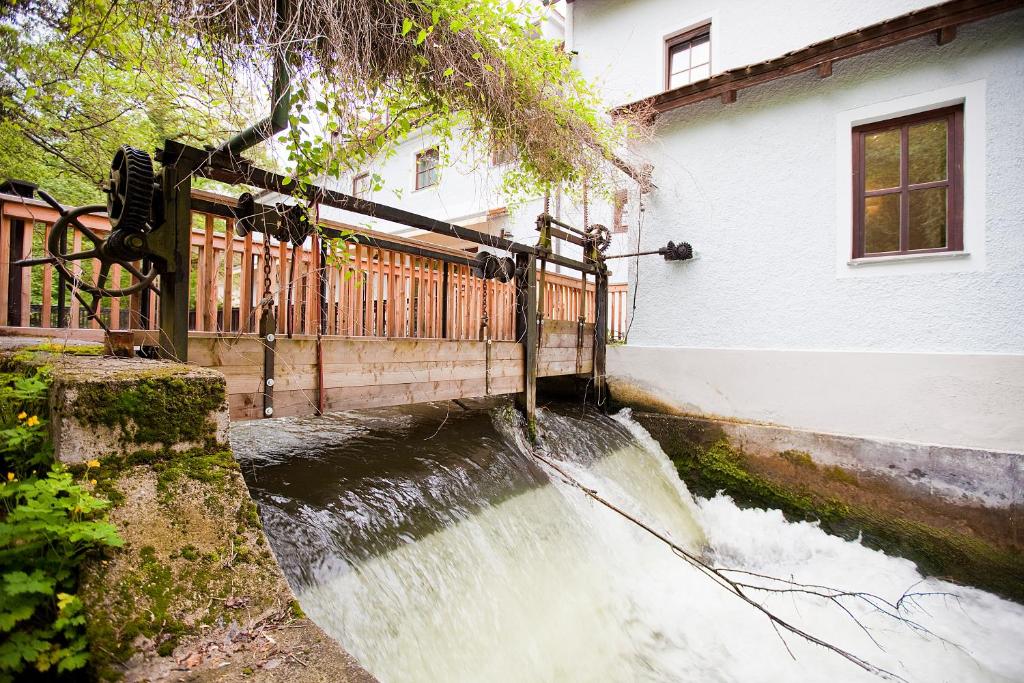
[288,403]
[5,263]
[246,379]
[88,335]
[227,350]
[47,302]
[26,274]
[76,269]
[229,278]
[115,302]
[282,290]
[248,276]
[209,280]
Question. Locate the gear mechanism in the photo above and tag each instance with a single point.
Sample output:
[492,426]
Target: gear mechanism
[599,236]
[130,191]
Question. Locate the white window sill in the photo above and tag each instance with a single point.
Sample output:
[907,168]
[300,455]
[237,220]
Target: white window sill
[903,258]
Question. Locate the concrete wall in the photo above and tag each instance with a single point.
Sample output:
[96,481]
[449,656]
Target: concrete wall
[955,400]
[772,322]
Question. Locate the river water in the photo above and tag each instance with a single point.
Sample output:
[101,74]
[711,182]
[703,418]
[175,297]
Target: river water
[435,548]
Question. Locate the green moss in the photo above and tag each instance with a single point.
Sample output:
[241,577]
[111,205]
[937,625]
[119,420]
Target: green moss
[161,406]
[709,467]
[296,610]
[798,458]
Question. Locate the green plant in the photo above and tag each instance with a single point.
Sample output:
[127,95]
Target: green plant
[24,442]
[48,524]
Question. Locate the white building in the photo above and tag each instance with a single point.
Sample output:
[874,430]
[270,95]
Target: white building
[467,189]
[839,291]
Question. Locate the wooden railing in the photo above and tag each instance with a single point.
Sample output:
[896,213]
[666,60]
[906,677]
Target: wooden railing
[371,291]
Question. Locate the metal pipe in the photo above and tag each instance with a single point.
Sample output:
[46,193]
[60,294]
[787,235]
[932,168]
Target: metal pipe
[281,95]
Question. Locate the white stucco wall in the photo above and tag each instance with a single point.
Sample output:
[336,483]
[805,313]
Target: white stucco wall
[621,44]
[760,188]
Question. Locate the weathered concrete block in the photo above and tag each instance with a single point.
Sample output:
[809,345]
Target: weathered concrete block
[102,406]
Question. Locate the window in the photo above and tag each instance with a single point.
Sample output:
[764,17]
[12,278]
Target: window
[908,184]
[688,57]
[427,171]
[361,186]
[619,211]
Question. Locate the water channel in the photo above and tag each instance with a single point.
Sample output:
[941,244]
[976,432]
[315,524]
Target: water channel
[432,545]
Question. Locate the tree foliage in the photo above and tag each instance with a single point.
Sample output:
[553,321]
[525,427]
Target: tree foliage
[83,76]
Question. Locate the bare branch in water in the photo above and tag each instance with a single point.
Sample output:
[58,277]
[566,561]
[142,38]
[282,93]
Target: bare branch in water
[741,589]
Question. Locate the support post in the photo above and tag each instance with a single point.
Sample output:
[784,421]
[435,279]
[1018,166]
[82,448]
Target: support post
[174,281]
[526,334]
[444,301]
[268,334]
[600,336]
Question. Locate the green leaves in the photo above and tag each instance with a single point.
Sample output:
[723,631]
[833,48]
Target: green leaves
[406,26]
[48,524]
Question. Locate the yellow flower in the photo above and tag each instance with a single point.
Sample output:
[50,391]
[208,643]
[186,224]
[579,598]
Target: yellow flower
[93,463]
[32,421]
[10,476]
[92,481]
[22,415]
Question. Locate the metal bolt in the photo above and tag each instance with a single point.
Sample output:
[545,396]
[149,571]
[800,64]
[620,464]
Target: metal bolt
[268,411]
[270,381]
[270,337]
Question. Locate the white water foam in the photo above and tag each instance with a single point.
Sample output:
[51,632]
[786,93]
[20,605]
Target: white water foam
[548,585]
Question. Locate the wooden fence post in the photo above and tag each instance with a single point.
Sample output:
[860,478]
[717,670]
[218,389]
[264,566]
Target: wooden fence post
[600,335]
[526,335]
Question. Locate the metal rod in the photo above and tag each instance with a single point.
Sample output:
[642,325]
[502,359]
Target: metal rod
[637,253]
[224,167]
[281,96]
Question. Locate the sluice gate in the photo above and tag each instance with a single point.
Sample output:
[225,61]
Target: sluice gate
[304,315]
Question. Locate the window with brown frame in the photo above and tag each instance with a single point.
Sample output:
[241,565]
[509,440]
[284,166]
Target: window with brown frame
[427,168]
[688,56]
[361,186]
[908,184]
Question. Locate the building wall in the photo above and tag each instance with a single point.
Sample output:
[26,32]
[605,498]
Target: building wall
[761,189]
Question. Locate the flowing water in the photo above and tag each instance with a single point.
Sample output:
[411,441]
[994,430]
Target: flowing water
[435,548]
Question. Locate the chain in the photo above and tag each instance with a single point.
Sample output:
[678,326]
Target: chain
[267,299]
[484,318]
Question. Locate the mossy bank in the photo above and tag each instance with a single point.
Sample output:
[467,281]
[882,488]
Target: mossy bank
[195,593]
[965,544]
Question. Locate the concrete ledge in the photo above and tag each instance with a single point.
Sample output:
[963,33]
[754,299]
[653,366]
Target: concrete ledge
[958,475]
[102,406]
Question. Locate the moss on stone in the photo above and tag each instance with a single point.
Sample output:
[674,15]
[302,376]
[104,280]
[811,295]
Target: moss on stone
[162,406]
[709,464]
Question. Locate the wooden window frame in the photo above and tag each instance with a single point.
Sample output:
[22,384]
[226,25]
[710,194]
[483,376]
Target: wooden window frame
[680,37]
[954,182]
[416,168]
[355,185]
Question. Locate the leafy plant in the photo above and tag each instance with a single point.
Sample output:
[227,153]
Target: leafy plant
[24,442]
[48,523]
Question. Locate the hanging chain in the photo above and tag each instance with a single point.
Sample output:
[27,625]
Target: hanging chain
[267,298]
[484,318]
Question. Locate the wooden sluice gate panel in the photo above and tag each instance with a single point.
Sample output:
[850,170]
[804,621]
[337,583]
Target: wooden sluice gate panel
[367,373]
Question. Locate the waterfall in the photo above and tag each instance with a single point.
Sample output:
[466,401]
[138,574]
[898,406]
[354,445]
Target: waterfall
[435,548]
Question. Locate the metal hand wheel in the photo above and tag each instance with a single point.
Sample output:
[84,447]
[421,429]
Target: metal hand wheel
[106,251]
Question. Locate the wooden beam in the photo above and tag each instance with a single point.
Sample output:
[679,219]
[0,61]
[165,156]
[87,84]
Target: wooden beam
[526,335]
[945,35]
[825,69]
[728,97]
